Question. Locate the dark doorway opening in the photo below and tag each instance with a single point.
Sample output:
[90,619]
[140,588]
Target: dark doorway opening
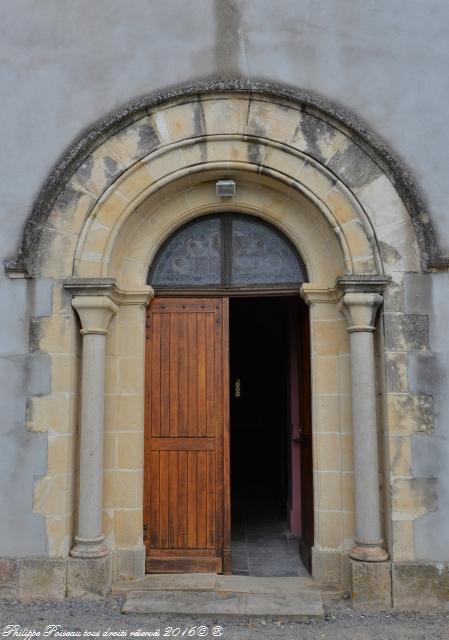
[271,508]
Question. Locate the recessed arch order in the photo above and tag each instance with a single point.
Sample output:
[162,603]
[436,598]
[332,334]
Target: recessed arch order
[160,144]
[134,180]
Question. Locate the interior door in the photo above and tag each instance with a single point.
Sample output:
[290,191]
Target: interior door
[186,495]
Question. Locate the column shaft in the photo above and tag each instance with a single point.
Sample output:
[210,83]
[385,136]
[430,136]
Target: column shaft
[91,441]
[95,313]
[366,461]
[360,312]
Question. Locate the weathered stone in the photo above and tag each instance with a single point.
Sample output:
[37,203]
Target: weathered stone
[393,298]
[128,564]
[89,577]
[409,414]
[420,587]
[199,603]
[317,138]
[41,579]
[172,582]
[414,496]
[406,332]
[354,166]
[9,578]
[371,585]
[396,372]
[326,566]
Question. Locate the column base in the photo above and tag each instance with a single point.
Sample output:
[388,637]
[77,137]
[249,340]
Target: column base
[371,585]
[89,577]
[369,553]
[89,548]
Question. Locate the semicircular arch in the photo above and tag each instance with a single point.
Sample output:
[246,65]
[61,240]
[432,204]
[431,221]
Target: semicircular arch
[272,136]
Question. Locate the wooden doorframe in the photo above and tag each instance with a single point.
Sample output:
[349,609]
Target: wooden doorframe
[305,348]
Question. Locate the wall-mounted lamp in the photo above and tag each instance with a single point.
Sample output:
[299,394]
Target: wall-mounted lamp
[226,188]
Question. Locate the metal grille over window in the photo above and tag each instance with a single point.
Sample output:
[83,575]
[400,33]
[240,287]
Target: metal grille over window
[227,251]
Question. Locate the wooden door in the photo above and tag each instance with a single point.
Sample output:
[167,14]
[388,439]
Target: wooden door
[305,439]
[186,495]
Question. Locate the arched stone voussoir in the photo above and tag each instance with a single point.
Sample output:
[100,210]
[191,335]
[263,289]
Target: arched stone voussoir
[156,177]
[272,128]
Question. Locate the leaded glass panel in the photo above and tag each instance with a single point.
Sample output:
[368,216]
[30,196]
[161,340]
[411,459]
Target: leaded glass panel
[192,256]
[260,255]
[225,251]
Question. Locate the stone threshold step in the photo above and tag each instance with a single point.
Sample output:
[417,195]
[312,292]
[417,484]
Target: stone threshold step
[291,606]
[214,582]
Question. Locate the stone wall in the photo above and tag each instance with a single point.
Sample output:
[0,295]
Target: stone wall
[75,64]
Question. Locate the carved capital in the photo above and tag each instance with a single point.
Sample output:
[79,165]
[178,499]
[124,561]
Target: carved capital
[359,310]
[95,313]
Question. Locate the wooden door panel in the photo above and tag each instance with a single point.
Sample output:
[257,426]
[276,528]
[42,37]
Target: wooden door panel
[186,424]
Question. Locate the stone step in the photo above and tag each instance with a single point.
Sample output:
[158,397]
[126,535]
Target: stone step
[214,582]
[230,596]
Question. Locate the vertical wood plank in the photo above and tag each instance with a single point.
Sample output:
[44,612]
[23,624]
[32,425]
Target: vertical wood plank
[182,500]
[191,498]
[155,390]
[173,499]
[192,428]
[164,499]
[154,499]
[201,526]
[210,374]
[183,373]
[174,377]
[201,374]
[211,503]
[165,375]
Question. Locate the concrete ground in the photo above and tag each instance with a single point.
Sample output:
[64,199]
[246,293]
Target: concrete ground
[340,623]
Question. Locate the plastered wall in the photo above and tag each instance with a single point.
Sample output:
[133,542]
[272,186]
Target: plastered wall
[68,64]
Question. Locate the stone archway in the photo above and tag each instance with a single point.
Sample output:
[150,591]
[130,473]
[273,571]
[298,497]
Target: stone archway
[302,171]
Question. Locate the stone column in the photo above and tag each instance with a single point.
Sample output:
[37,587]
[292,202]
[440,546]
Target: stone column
[359,309]
[95,312]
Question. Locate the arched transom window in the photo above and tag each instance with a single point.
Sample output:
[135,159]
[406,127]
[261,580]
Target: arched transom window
[227,251]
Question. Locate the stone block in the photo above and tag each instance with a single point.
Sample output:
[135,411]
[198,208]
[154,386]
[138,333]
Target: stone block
[409,413]
[414,496]
[89,577]
[406,332]
[329,489]
[354,166]
[403,541]
[9,578]
[396,372]
[394,298]
[120,489]
[400,455]
[41,579]
[420,587]
[129,564]
[327,410]
[328,452]
[330,532]
[326,374]
[371,585]
[128,527]
[326,567]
